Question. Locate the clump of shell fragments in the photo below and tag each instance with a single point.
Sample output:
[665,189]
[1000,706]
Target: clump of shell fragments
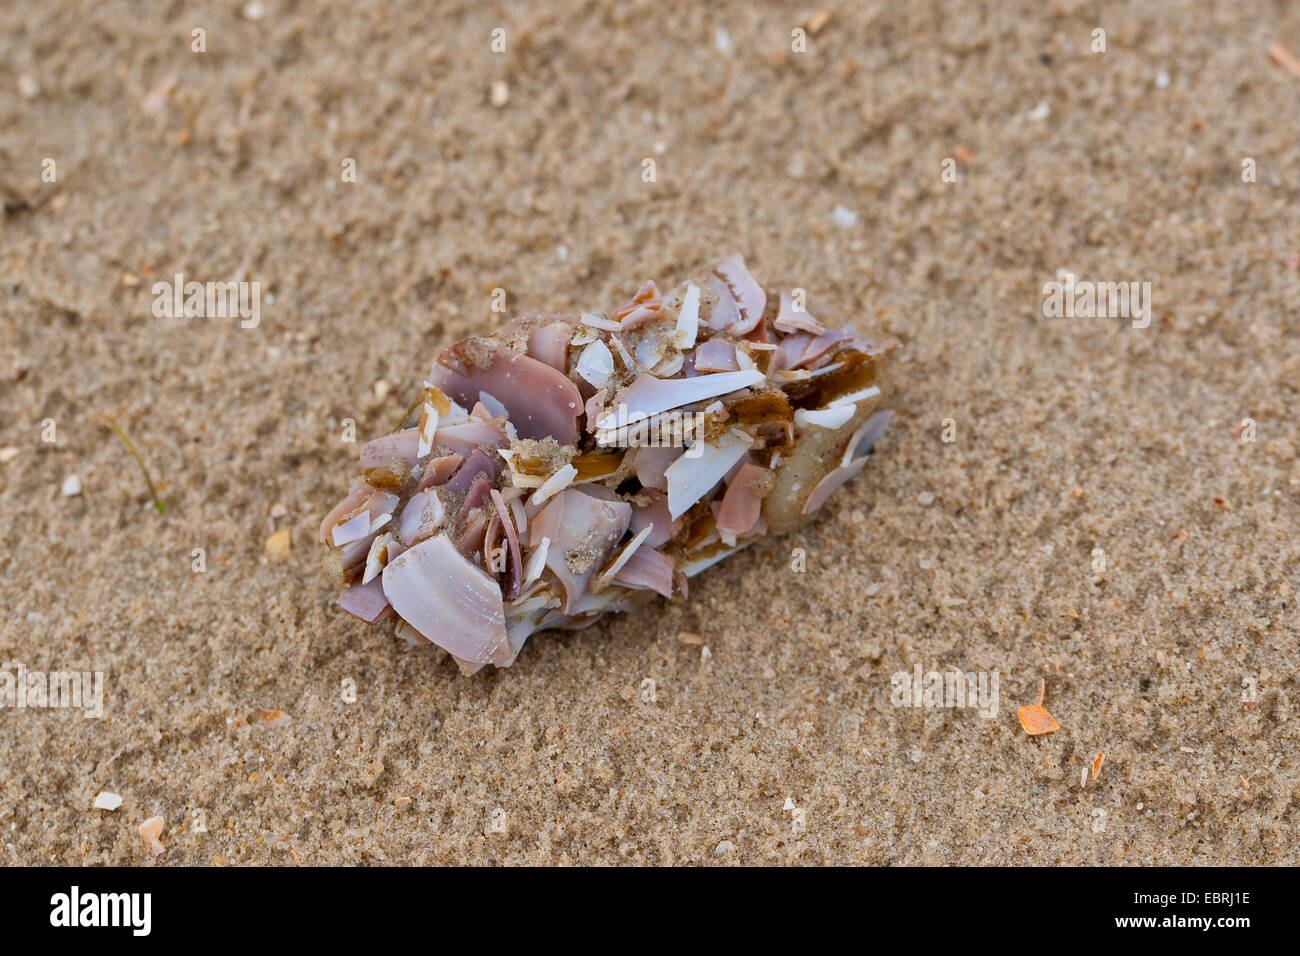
[567,466]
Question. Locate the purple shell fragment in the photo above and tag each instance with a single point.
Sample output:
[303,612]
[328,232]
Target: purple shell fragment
[567,467]
[451,602]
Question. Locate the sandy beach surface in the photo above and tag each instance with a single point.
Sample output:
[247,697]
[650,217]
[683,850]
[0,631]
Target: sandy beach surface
[1099,507]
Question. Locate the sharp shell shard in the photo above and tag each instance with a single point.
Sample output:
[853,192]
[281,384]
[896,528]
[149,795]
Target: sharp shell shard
[567,466]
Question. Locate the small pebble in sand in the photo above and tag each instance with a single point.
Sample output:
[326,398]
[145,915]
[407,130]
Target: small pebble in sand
[107,801]
[8,454]
[722,40]
[277,545]
[71,486]
[844,217]
[925,498]
[401,800]
[382,388]
[500,93]
[28,88]
[817,21]
[1162,80]
[1040,112]
[278,510]
[151,830]
[723,848]
[255,10]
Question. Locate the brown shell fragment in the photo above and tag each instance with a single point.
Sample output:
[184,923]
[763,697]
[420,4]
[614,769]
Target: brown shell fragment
[570,466]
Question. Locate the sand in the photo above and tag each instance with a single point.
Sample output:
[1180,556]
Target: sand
[1100,522]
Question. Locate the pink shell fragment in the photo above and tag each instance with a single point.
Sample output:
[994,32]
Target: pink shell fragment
[476,495]
[741,503]
[358,496]
[465,437]
[541,400]
[583,531]
[438,470]
[648,570]
[450,601]
[550,344]
[789,320]
[422,516]
[725,316]
[789,352]
[366,601]
[476,465]
[820,346]
[716,355]
[655,513]
[516,566]
[651,464]
[643,309]
[748,295]
[403,446]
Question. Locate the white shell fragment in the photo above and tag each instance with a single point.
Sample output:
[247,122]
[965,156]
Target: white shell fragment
[354,529]
[649,395]
[688,319]
[571,466]
[107,801]
[691,478]
[536,562]
[596,363]
[832,417]
[554,484]
[377,557]
[428,427]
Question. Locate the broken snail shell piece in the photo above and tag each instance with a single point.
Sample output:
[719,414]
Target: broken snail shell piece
[573,465]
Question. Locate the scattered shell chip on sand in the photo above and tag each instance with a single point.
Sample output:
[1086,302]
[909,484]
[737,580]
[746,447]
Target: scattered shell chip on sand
[567,466]
[151,830]
[1036,720]
[104,800]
